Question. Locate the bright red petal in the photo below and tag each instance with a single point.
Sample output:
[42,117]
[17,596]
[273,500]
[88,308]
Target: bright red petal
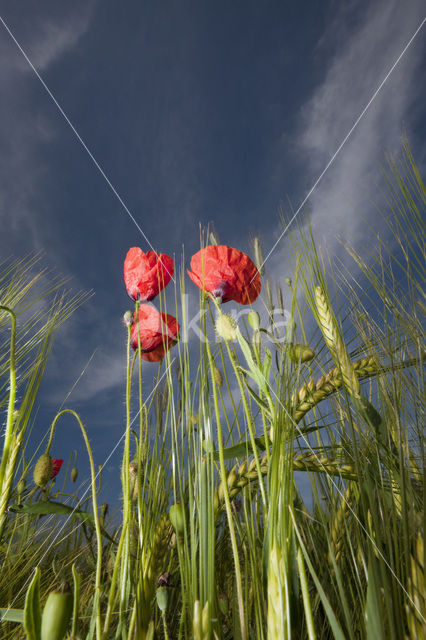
[226,273]
[56,466]
[145,275]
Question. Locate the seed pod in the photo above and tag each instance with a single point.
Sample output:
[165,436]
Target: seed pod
[300,352]
[57,614]
[226,327]
[177,518]
[74,474]
[218,377]
[253,319]
[43,470]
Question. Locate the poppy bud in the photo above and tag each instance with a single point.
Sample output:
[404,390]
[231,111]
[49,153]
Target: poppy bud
[300,352]
[43,470]
[162,594]
[226,327]
[74,474]
[223,604]
[21,486]
[218,377]
[128,319]
[177,518]
[57,614]
[56,466]
[288,281]
[253,319]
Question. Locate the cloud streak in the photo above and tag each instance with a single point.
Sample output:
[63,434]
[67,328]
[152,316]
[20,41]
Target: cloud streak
[361,60]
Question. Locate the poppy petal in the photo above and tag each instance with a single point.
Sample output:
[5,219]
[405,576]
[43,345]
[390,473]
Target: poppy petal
[145,275]
[227,273]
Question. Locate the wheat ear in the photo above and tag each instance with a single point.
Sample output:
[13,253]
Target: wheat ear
[311,393]
[242,474]
[335,343]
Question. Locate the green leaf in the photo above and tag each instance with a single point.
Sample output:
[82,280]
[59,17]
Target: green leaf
[49,507]
[12,615]
[32,613]
[373,613]
[260,403]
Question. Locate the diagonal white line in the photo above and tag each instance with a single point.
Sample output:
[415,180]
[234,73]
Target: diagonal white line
[80,139]
[87,490]
[333,157]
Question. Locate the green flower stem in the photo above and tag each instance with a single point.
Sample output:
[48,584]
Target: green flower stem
[9,435]
[249,423]
[95,517]
[126,493]
[227,499]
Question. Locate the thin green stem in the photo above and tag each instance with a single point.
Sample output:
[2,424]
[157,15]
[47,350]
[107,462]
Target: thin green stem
[95,517]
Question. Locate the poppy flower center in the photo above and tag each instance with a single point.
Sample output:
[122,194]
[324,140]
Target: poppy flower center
[221,289]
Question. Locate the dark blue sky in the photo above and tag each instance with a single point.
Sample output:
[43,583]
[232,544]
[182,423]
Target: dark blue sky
[196,112]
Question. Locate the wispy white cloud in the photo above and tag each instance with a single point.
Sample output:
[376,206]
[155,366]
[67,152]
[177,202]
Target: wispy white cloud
[45,33]
[362,57]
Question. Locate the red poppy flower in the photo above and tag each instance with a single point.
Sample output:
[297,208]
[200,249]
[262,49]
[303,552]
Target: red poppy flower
[146,274]
[226,273]
[56,466]
[156,355]
[158,332]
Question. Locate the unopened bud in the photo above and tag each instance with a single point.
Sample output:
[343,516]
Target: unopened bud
[21,486]
[74,474]
[128,318]
[288,281]
[43,470]
[218,376]
[162,594]
[253,319]
[57,614]
[226,327]
[177,518]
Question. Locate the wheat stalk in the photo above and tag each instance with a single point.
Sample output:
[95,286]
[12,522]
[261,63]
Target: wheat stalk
[276,599]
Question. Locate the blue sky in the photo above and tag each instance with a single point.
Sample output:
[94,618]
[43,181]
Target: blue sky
[196,112]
